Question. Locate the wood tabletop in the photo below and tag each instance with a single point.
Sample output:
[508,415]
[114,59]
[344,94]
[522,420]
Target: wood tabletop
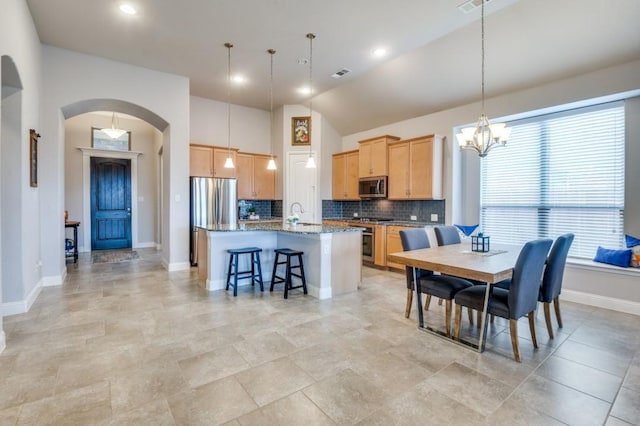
[458,259]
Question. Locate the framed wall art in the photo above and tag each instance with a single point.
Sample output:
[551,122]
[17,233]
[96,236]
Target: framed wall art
[300,131]
[100,140]
[33,157]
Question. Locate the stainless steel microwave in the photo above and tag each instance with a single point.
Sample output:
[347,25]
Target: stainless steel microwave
[374,187]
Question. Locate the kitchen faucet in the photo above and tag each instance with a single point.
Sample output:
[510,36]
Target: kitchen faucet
[294,204]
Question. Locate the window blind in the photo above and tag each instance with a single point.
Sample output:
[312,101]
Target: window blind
[559,173]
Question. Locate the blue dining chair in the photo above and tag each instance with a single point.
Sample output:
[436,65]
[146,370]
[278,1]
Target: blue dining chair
[446,235]
[552,279]
[443,286]
[519,300]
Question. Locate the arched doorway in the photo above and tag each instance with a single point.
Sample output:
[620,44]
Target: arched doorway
[11,185]
[79,153]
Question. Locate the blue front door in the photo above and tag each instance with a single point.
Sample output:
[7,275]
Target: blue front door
[110,203]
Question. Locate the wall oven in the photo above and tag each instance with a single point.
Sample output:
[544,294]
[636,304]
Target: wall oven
[368,244]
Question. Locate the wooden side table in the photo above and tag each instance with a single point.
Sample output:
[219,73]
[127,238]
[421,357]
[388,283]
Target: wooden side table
[73,224]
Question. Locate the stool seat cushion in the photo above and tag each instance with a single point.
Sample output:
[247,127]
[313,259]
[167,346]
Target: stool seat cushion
[244,250]
[288,252]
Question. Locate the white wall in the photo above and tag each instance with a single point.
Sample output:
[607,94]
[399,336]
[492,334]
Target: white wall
[19,41]
[72,78]
[331,143]
[250,127]
[143,135]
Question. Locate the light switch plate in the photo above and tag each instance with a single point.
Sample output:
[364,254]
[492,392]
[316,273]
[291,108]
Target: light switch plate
[355,214]
[434,217]
[414,217]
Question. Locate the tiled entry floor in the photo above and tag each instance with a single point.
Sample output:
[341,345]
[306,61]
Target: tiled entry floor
[129,343]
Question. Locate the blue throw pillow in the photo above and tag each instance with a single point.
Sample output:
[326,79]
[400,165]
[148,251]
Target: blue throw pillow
[631,241]
[613,257]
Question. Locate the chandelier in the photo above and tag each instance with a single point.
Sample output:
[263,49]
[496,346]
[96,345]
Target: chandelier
[311,163]
[484,136]
[113,132]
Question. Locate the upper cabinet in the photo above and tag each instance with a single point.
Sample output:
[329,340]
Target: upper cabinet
[373,156]
[255,181]
[200,160]
[345,176]
[415,169]
[208,161]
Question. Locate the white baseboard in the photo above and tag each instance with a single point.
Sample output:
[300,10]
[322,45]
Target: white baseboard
[22,306]
[3,340]
[619,305]
[176,266]
[150,244]
[54,280]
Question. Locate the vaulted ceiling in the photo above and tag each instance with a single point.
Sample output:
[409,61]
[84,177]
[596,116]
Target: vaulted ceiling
[433,60]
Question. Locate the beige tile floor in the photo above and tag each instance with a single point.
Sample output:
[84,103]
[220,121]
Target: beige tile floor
[129,343]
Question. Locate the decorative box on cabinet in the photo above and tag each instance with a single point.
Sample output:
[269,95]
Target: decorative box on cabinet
[415,169]
[345,176]
[373,156]
[255,181]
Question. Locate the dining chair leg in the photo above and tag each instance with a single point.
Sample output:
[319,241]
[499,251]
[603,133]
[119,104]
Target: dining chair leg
[470,314]
[407,310]
[513,327]
[547,319]
[532,327]
[492,318]
[447,317]
[458,320]
[479,318]
[440,301]
[556,306]
[427,302]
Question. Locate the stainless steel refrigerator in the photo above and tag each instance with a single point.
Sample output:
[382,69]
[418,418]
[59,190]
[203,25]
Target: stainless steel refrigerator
[214,201]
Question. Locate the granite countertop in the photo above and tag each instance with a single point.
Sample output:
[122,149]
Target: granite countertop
[300,228]
[262,219]
[414,223]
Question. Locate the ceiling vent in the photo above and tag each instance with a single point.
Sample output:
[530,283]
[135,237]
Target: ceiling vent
[340,73]
[471,5]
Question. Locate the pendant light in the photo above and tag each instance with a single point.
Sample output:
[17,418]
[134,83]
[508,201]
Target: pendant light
[228,164]
[113,131]
[311,163]
[484,136]
[272,160]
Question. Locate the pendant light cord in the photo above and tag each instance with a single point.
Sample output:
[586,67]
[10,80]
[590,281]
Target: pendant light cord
[482,50]
[271,53]
[228,46]
[310,36]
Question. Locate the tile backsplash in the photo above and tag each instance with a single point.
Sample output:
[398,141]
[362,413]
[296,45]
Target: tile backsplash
[265,209]
[398,210]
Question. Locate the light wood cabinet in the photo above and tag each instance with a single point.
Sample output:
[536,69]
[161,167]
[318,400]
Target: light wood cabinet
[200,161]
[345,176]
[415,169]
[255,181]
[380,255]
[219,157]
[208,161]
[373,156]
[394,245]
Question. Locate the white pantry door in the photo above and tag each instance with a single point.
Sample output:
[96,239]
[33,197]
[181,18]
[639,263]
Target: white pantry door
[301,187]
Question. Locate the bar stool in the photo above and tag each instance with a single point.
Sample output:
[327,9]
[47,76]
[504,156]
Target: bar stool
[239,275]
[275,279]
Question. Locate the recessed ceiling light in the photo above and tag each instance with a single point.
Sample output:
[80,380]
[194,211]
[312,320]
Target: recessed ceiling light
[238,79]
[304,90]
[379,52]
[128,9]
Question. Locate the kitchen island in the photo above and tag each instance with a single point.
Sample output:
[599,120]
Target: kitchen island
[332,254]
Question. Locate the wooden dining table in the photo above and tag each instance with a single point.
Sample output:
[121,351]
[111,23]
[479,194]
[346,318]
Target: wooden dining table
[458,260]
